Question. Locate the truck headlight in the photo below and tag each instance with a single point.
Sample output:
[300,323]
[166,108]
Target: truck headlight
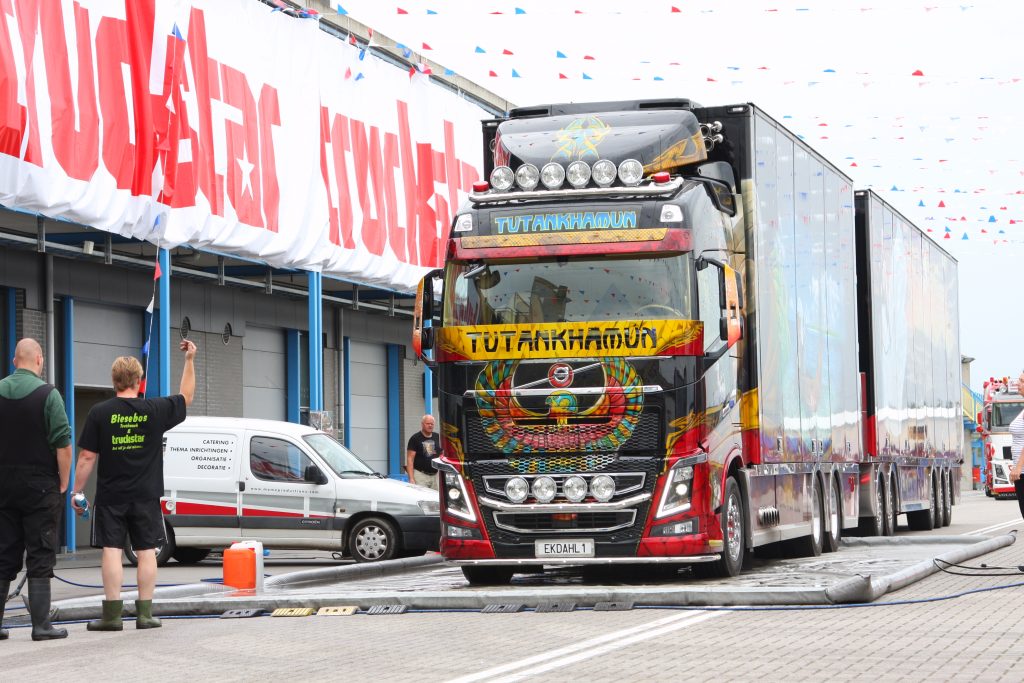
[675,497]
[455,498]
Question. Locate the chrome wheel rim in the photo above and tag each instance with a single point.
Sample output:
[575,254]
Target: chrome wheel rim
[371,542]
[833,512]
[816,519]
[733,529]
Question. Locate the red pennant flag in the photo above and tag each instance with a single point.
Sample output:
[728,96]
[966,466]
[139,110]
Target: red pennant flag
[348,73]
[918,73]
[492,74]
[351,39]
[402,11]
[853,164]
[588,57]
[412,71]
[427,47]
[675,9]
[942,204]
[711,80]
[946,236]
[563,77]
[157,273]
[506,52]
[142,387]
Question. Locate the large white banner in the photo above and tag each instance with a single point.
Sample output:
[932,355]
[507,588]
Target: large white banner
[224,124]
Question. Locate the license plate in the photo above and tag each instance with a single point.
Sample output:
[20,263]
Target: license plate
[569,547]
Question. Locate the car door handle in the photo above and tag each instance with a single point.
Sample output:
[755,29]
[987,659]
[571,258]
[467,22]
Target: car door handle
[241,486]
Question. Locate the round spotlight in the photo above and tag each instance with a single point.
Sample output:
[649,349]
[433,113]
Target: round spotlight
[578,174]
[552,175]
[631,172]
[604,172]
[544,489]
[602,487]
[575,488]
[517,489]
[502,178]
[527,177]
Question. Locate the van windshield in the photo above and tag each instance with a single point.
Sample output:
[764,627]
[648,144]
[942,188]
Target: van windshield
[338,458]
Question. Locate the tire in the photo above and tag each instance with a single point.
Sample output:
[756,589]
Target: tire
[163,552]
[947,501]
[373,539]
[811,545]
[892,506]
[487,576]
[875,525]
[834,510]
[190,555]
[924,520]
[734,521]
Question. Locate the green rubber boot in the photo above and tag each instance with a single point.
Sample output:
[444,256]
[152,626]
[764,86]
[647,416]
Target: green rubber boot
[144,615]
[111,620]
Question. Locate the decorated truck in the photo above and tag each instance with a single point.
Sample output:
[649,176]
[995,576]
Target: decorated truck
[1002,403]
[645,339]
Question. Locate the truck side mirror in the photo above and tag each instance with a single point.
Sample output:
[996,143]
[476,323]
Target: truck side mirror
[313,475]
[423,318]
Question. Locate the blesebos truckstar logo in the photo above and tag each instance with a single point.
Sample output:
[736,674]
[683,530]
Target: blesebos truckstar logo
[524,411]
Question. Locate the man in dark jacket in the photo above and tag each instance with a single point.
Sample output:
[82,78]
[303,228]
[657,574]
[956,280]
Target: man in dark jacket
[35,463]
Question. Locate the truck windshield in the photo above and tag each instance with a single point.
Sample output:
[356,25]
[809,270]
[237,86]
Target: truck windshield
[568,289]
[338,458]
[1004,413]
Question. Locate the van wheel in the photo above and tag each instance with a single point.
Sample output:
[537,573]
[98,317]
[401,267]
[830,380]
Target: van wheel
[373,539]
[190,555]
[163,552]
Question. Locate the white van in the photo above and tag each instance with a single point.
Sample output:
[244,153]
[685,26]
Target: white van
[289,486]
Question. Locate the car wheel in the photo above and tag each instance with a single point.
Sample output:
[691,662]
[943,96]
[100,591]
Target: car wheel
[373,539]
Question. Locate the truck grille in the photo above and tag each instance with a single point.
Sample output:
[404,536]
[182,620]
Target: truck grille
[646,436]
[590,522]
[520,529]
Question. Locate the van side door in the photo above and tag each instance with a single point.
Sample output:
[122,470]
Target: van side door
[288,498]
[201,497]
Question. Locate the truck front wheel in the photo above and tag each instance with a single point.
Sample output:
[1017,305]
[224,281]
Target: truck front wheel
[734,523]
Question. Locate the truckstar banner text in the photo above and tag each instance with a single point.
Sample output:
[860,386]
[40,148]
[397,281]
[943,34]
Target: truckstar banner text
[224,124]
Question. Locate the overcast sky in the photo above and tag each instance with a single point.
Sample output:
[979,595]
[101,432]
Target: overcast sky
[922,96]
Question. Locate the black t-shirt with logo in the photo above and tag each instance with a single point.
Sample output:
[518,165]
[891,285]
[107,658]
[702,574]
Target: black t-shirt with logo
[128,435]
[426,449]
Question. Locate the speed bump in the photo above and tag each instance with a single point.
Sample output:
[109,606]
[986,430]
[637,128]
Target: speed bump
[387,609]
[345,611]
[613,606]
[293,612]
[506,608]
[241,613]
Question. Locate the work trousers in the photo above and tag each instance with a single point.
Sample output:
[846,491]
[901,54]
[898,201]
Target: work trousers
[29,515]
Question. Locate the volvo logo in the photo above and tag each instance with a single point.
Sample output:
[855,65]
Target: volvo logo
[560,375]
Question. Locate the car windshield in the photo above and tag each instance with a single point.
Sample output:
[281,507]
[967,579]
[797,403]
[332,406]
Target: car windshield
[1004,413]
[337,457]
[568,289]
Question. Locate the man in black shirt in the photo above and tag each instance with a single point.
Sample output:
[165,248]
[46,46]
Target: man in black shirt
[127,431]
[423,447]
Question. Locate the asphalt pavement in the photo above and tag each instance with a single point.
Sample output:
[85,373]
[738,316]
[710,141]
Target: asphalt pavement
[964,623]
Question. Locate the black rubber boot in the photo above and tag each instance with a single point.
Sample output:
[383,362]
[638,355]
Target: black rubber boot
[4,587]
[144,615]
[39,609]
[111,620]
